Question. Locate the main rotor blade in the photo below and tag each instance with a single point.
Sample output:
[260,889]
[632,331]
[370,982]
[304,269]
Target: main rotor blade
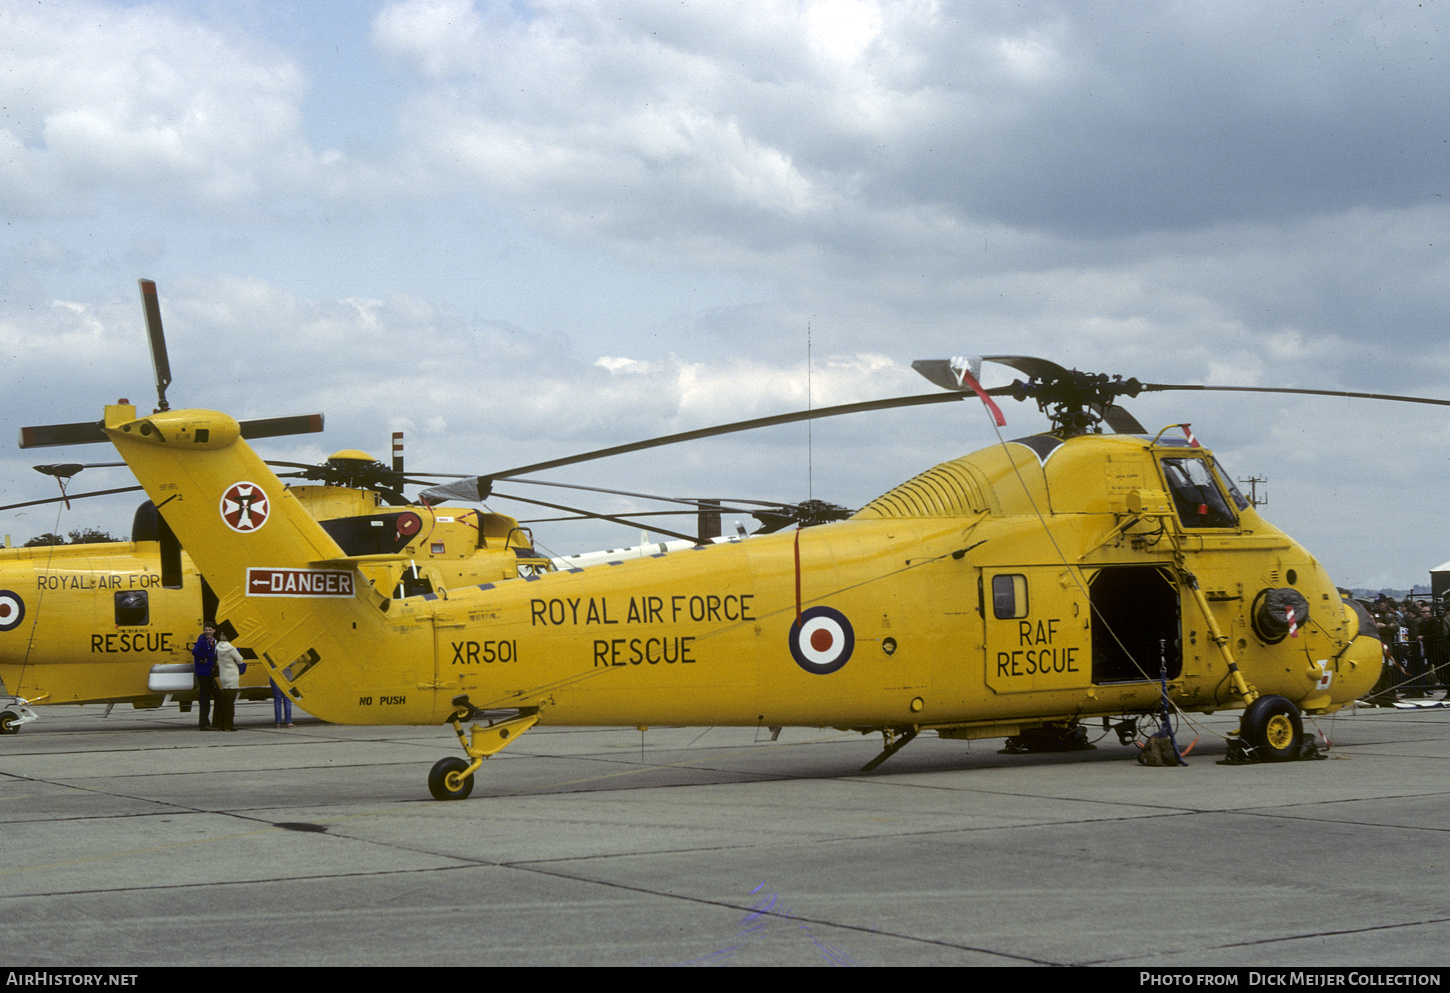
[1044,369]
[750,425]
[1119,419]
[1346,394]
[71,468]
[71,496]
[471,487]
[940,371]
[600,517]
[714,503]
[152,307]
[410,475]
[93,433]
[590,515]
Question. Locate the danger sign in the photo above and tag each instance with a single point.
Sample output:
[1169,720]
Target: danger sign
[299,582]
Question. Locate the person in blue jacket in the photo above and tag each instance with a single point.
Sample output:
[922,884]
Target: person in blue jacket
[203,653]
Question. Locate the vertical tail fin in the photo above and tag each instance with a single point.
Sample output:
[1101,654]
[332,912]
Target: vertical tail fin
[274,569]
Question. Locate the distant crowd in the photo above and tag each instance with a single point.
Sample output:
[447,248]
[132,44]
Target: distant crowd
[1416,638]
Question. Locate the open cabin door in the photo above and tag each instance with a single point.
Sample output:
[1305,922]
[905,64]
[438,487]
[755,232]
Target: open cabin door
[1136,624]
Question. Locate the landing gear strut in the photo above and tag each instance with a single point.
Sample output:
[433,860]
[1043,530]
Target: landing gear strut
[895,740]
[452,778]
[15,711]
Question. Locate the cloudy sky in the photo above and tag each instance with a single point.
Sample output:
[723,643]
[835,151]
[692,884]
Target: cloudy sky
[520,230]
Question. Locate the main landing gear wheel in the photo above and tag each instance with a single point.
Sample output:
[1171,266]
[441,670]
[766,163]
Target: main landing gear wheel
[7,723]
[1272,728]
[445,781]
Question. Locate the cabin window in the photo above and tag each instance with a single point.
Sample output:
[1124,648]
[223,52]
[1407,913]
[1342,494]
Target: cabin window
[1196,496]
[132,609]
[1009,596]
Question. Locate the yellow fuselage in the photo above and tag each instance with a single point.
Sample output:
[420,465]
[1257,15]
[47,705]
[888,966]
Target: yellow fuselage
[1028,583]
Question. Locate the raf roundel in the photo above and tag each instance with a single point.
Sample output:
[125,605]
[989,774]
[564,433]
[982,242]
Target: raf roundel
[821,640]
[12,610]
[244,507]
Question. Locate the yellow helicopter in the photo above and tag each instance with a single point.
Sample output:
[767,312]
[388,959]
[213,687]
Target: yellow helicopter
[113,622]
[1016,593]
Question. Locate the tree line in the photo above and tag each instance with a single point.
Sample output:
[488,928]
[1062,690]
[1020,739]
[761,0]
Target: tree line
[80,536]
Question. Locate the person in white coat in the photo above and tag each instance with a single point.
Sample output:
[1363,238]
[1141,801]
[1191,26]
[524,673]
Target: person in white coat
[229,666]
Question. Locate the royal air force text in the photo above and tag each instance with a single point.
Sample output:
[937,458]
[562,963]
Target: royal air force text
[642,610]
[708,608]
[97,581]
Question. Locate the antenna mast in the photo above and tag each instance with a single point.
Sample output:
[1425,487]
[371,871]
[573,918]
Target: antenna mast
[810,451]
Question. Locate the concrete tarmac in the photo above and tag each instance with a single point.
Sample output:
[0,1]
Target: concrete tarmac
[137,840]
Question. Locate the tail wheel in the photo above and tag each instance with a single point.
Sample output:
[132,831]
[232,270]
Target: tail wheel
[446,781]
[7,723]
[1272,728]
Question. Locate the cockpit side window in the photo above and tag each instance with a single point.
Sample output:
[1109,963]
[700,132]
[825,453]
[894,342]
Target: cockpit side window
[1196,496]
[1240,501]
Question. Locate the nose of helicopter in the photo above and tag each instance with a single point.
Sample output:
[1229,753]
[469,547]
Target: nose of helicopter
[1360,665]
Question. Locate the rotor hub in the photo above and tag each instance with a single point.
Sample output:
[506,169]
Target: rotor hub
[1075,401]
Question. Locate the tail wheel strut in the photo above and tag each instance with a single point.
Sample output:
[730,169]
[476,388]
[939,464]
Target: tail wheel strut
[451,778]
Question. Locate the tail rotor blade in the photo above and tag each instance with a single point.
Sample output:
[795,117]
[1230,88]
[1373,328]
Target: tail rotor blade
[52,435]
[279,427]
[90,433]
[152,306]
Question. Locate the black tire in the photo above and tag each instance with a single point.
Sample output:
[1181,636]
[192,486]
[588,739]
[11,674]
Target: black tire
[1272,728]
[7,723]
[438,779]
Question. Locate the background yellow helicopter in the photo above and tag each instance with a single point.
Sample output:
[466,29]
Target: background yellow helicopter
[113,622]
[1016,592]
